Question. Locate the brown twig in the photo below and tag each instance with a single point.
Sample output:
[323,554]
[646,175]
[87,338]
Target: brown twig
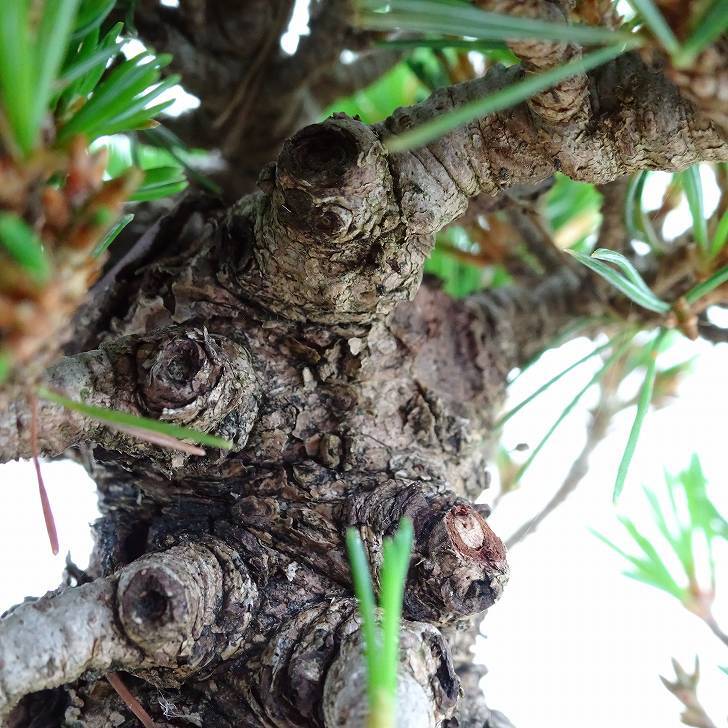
[685,690]
[130,701]
[599,426]
[710,620]
[567,101]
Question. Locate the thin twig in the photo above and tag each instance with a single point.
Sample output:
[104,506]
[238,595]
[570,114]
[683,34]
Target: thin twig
[598,428]
[129,700]
[709,619]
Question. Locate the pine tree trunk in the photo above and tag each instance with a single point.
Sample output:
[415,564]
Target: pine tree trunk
[294,323]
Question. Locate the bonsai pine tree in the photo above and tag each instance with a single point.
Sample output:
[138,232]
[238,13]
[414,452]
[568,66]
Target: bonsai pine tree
[260,366]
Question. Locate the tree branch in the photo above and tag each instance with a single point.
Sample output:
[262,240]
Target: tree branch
[521,321]
[344,228]
[182,375]
[613,233]
[567,101]
[344,79]
[232,61]
[705,82]
[161,612]
[211,46]
[459,565]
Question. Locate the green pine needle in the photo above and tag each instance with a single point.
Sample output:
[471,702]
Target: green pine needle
[443,43]
[499,100]
[381,645]
[643,405]
[90,16]
[620,345]
[635,291]
[656,22]
[51,43]
[365,598]
[690,514]
[441,17]
[118,102]
[160,182]
[507,416]
[162,138]
[693,187]
[128,420]
[721,236]
[81,66]
[567,334]
[703,289]
[636,217]
[110,41]
[395,563]
[23,246]
[112,234]
[6,364]
[712,24]
[633,201]
[16,74]
[624,265]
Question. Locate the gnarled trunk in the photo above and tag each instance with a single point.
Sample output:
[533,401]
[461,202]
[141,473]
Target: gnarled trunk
[294,323]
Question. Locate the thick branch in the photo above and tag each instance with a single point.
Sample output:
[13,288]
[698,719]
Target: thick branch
[638,122]
[364,410]
[211,46]
[253,96]
[182,376]
[163,612]
[344,228]
[521,321]
[459,564]
[344,79]
[567,101]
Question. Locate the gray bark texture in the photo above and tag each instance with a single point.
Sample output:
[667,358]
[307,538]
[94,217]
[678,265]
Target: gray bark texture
[296,323]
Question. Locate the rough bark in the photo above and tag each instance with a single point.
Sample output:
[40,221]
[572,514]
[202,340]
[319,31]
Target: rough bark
[567,101]
[294,323]
[167,615]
